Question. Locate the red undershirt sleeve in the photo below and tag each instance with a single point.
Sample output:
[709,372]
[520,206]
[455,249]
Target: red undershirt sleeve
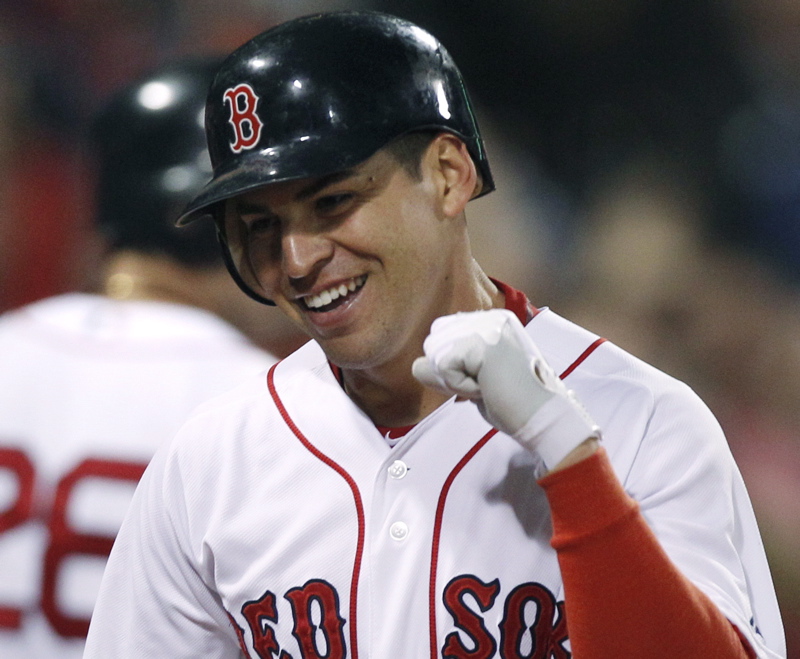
[623,595]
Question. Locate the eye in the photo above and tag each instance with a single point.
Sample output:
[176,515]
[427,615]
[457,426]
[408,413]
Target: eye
[333,204]
[262,225]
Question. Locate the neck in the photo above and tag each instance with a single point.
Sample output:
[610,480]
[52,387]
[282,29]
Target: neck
[389,394]
[391,399]
[133,275]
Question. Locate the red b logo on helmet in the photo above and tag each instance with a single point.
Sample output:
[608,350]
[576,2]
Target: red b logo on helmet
[246,124]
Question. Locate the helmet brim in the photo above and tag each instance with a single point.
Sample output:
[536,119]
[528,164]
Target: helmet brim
[304,158]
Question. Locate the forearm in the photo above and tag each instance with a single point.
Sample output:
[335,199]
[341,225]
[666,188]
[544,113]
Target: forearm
[623,595]
[580,452]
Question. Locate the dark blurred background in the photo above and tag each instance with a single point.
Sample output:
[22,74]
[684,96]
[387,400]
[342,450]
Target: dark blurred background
[647,154]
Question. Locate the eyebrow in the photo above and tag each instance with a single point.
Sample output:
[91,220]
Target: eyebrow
[246,207]
[321,183]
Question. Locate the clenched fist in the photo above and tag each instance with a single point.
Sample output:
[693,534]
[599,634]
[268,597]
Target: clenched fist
[487,357]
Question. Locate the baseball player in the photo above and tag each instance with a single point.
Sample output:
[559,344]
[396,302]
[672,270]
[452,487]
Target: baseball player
[90,384]
[444,470]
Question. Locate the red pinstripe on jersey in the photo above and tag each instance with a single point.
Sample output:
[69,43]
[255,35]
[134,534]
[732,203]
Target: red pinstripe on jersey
[446,488]
[356,499]
[582,358]
[437,531]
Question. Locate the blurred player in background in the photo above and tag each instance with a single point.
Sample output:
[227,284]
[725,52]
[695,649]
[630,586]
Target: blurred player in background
[91,384]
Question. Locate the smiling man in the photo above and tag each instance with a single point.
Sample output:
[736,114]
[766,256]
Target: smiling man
[444,470]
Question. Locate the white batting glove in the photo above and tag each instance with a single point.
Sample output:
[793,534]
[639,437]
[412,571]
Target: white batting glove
[487,357]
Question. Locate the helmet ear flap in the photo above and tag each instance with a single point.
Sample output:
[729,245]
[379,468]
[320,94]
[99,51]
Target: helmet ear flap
[321,94]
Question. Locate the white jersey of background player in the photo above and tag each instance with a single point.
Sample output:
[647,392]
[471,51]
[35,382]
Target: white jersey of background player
[91,384]
[417,481]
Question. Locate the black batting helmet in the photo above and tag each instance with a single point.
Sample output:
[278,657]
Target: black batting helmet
[150,149]
[322,93]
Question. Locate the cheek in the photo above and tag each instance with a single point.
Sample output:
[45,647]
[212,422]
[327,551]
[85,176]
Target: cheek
[291,312]
[263,267]
[410,223]
[424,238]
[251,259]
[259,266]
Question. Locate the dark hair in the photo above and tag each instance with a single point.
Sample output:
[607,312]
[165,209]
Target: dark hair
[408,149]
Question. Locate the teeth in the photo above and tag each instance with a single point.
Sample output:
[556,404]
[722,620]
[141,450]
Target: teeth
[334,293]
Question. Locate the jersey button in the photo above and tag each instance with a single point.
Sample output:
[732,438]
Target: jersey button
[398,531]
[398,469]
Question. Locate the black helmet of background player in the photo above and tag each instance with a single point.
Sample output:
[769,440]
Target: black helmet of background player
[321,94]
[150,151]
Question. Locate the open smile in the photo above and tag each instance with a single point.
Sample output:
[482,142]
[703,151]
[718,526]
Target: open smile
[334,296]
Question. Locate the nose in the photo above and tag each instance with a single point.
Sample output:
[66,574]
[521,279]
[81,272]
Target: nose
[304,253]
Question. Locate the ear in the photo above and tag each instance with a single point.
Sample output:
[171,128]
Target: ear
[455,173]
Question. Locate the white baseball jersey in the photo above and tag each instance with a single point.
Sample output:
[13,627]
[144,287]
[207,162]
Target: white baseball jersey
[280,521]
[89,387]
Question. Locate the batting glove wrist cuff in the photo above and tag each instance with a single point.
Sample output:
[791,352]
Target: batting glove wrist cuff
[558,427]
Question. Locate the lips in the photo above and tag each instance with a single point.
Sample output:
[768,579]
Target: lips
[334,296]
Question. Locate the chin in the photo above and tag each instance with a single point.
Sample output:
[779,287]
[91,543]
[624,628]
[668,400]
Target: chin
[347,359]
[351,353]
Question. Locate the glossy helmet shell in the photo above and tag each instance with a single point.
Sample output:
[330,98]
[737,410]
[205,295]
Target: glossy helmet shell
[149,148]
[322,93]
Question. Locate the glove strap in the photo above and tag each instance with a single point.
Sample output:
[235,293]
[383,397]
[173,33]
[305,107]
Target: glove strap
[558,427]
